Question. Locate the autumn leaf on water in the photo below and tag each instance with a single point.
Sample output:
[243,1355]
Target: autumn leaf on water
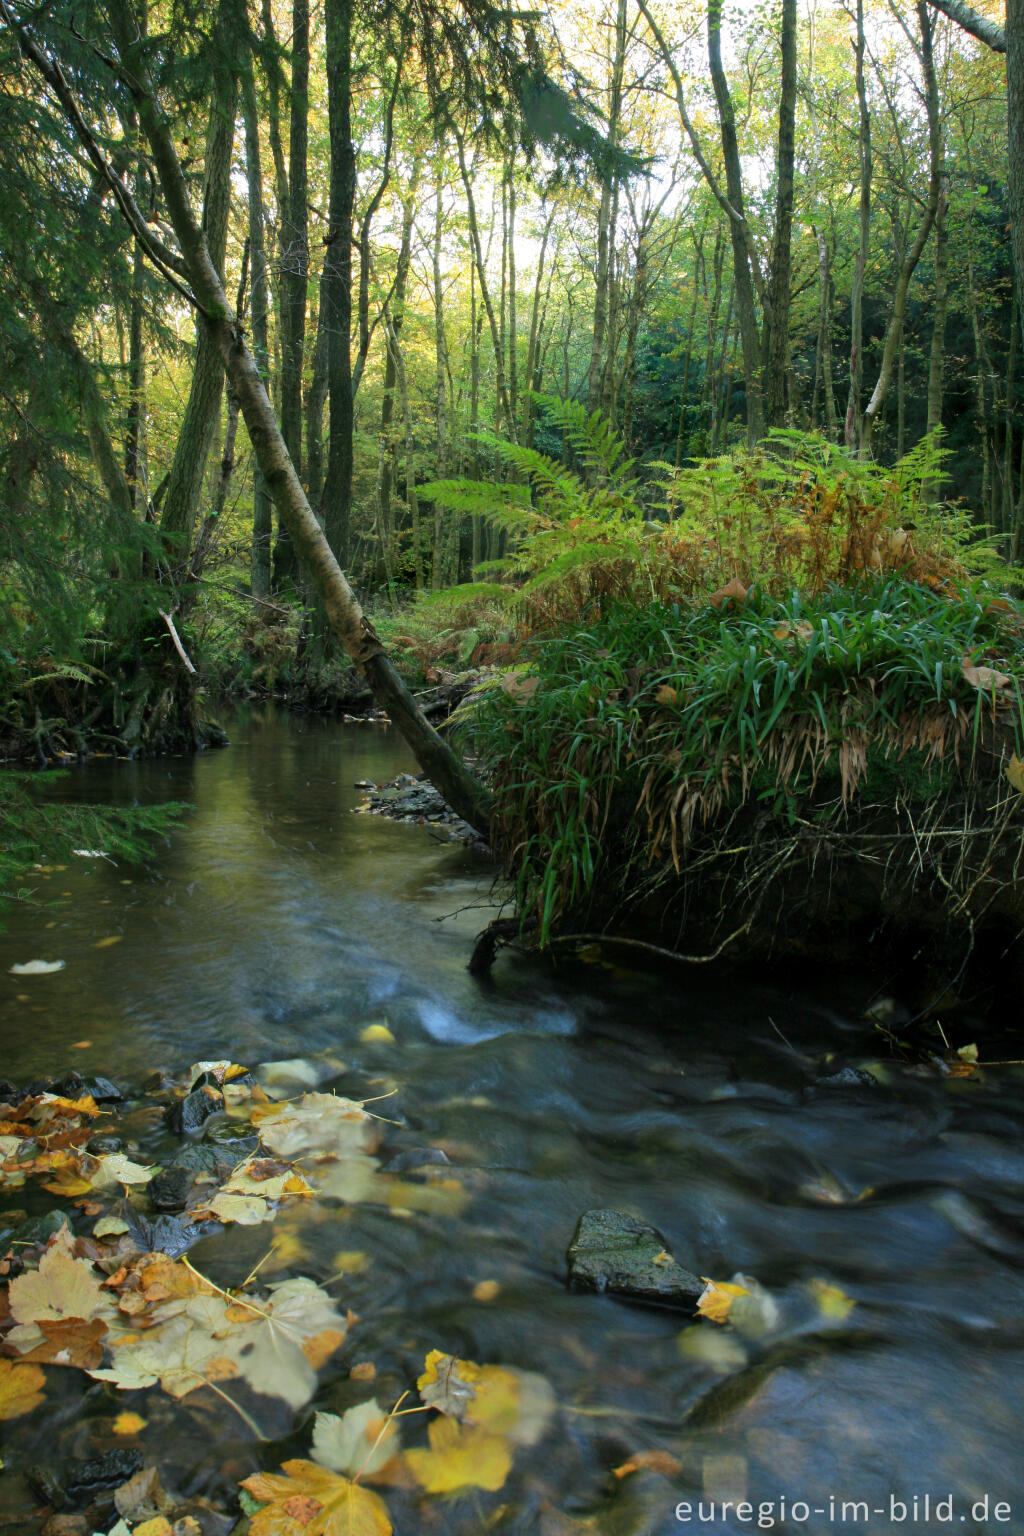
[502,1399]
[833,1303]
[717,1298]
[460,1456]
[304,1499]
[317,1122]
[21,1389]
[127,1424]
[361,1440]
[62,1287]
[70,1342]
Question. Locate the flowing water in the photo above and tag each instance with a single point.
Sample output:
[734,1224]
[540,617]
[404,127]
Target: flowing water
[276,924]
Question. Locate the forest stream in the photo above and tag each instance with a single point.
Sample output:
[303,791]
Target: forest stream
[882,1215]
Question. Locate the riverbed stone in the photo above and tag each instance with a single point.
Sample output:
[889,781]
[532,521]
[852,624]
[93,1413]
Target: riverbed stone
[611,1251]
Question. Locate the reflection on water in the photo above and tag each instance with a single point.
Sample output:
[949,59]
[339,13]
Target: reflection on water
[277,924]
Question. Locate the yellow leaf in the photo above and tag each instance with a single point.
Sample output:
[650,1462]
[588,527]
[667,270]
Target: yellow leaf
[81,1045]
[832,1302]
[306,1500]
[114,938]
[128,1424]
[351,1262]
[968,1053]
[1015,773]
[378,1032]
[158,1526]
[485,1290]
[21,1389]
[717,1297]
[459,1457]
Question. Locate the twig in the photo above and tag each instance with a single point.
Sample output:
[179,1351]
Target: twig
[653,949]
[177,640]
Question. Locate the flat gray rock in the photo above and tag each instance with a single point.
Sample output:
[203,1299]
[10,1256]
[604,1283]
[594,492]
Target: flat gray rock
[613,1252]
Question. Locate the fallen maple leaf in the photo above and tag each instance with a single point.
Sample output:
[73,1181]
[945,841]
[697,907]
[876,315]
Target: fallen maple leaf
[358,1441]
[717,1298]
[62,1287]
[21,1389]
[68,1342]
[460,1456]
[306,1500]
[317,1122]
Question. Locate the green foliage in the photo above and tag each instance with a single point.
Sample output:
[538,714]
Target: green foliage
[797,513]
[631,733]
[37,829]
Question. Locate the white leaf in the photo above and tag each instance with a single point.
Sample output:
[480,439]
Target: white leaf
[346,1444]
[37,967]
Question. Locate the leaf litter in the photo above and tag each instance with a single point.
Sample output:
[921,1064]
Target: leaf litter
[108,1303]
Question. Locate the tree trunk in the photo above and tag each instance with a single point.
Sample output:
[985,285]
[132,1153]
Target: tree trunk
[745,305]
[854,399]
[294,256]
[779,283]
[337,278]
[913,255]
[316,399]
[500,383]
[440,375]
[262,518]
[202,411]
[386,444]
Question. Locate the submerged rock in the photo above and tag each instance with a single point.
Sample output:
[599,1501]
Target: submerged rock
[613,1252]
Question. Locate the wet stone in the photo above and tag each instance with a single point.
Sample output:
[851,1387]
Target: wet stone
[197,1157]
[103,1090]
[192,1112]
[228,1134]
[168,1189]
[46,1486]
[99,1146]
[416,1157]
[613,1252]
[83,1479]
[849,1077]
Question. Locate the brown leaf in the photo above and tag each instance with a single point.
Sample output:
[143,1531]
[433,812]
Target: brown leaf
[733,592]
[986,678]
[652,1461]
[69,1343]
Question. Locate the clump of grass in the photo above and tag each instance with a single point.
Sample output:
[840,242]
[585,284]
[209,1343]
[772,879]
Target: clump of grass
[627,739]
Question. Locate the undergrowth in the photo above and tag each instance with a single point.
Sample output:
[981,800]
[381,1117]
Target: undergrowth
[795,513]
[627,739]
